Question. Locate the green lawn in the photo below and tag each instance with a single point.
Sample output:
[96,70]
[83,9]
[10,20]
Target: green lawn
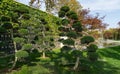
[111,58]
[108,63]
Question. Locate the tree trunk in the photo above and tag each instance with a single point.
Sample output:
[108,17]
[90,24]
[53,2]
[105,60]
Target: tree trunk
[43,33]
[15,61]
[76,63]
[43,54]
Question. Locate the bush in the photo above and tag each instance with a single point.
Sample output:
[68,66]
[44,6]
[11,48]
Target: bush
[32,70]
[22,54]
[15,25]
[21,10]
[26,16]
[23,70]
[61,13]
[23,31]
[92,48]
[87,39]
[7,25]
[68,42]
[2,30]
[65,49]
[58,22]
[72,34]
[61,28]
[77,53]
[47,59]
[43,21]
[77,26]
[65,8]
[19,40]
[74,16]
[14,16]
[39,70]
[70,13]
[65,22]
[5,19]
[27,46]
[92,56]
[62,34]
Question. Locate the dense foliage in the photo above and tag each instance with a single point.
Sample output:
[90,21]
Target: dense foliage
[72,28]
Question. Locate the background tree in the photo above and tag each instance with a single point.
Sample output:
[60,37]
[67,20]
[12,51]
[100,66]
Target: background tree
[55,5]
[43,40]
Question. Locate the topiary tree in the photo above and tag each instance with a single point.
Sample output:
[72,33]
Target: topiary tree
[72,28]
[2,30]
[68,29]
[43,39]
[19,54]
[92,55]
[87,39]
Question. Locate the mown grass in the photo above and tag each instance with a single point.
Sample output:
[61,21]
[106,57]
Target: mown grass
[108,63]
[111,58]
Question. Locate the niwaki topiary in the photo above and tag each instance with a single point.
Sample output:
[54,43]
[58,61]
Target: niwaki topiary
[87,40]
[92,48]
[5,19]
[65,22]
[65,8]
[61,14]
[92,56]
[72,34]
[7,25]
[68,42]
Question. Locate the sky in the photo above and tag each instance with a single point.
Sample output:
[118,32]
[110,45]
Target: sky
[108,8]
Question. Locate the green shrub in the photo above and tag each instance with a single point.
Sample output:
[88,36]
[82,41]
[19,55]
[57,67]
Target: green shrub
[47,59]
[68,42]
[74,16]
[61,28]
[93,56]
[24,70]
[70,13]
[21,10]
[72,34]
[2,30]
[22,54]
[7,25]
[5,19]
[65,8]
[15,25]
[87,39]
[61,13]
[43,21]
[65,49]
[19,40]
[65,22]
[58,22]
[23,31]
[60,40]
[27,46]
[62,34]
[39,70]
[77,53]
[92,48]
[14,16]
[26,16]
[77,26]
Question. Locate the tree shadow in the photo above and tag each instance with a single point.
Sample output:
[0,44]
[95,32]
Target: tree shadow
[111,52]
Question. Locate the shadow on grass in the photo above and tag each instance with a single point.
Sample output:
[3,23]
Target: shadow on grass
[112,52]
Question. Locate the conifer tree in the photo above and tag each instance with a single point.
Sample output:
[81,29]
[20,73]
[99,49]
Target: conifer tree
[72,28]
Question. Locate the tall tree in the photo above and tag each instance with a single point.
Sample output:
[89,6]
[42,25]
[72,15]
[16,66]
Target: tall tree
[72,28]
[55,5]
